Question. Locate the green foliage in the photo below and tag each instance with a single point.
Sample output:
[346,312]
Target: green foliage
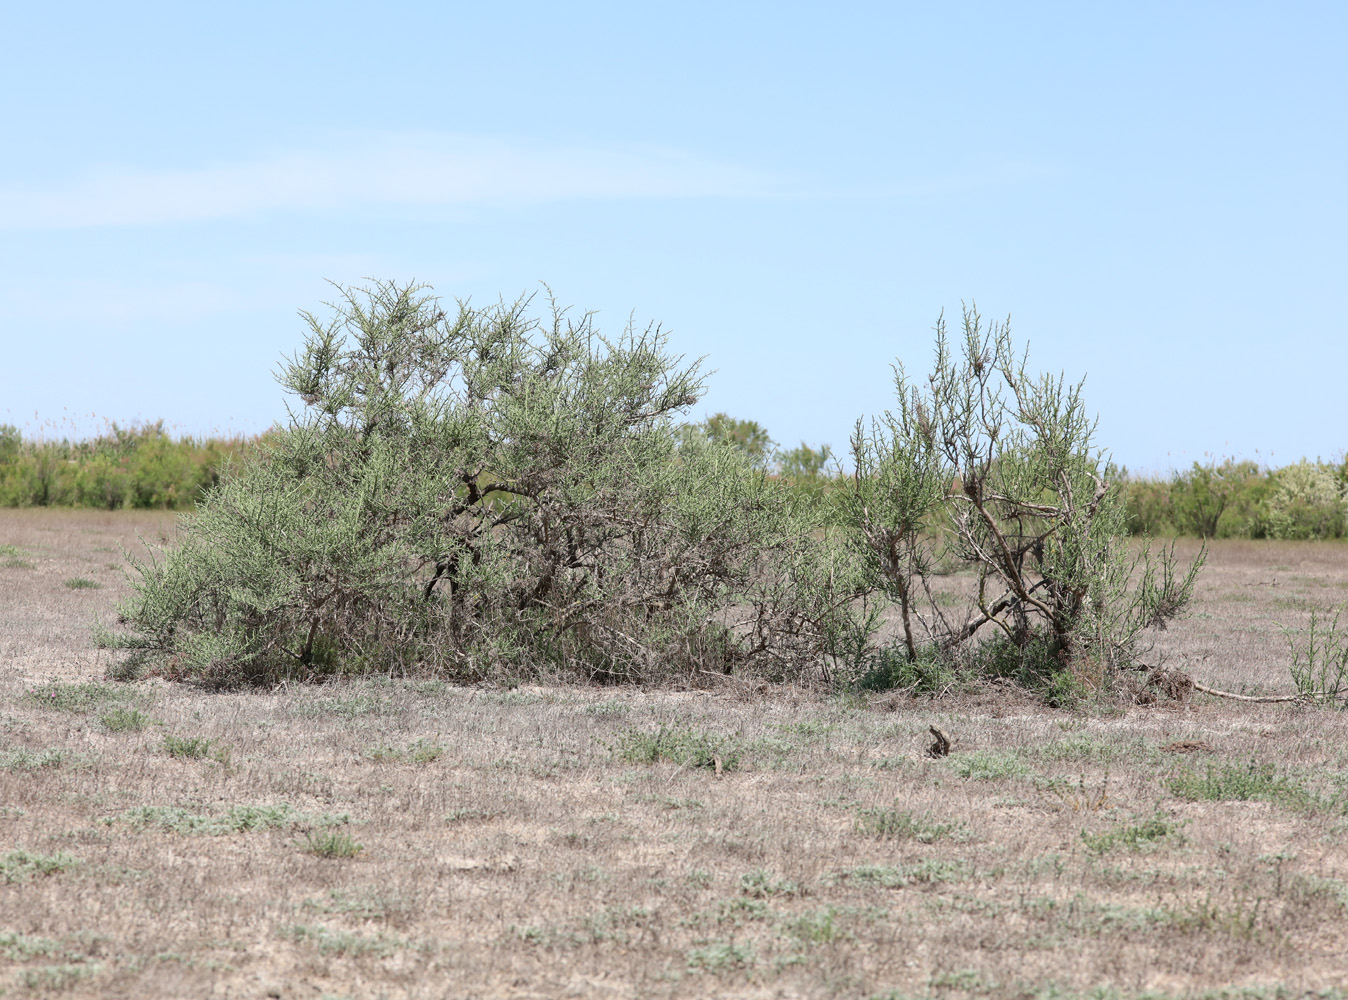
[1240,783]
[1238,499]
[1200,497]
[420,752]
[190,747]
[124,720]
[746,436]
[762,883]
[237,819]
[928,673]
[931,870]
[990,765]
[988,466]
[1307,501]
[487,494]
[1134,837]
[21,865]
[1320,662]
[682,746]
[139,467]
[331,844]
[81,698]
[722,956]
[327,941]
[82,583]
[804,464]
[901,824]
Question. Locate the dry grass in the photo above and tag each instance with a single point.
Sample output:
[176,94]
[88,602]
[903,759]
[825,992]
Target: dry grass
[391,838]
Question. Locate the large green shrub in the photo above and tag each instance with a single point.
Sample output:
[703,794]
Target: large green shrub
[485,494]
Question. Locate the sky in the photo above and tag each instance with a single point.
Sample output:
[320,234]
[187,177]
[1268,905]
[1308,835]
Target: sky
[1154,193]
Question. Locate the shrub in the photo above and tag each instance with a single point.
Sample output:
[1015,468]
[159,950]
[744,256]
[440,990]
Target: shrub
[1307,501]
[486,494]
[987,466]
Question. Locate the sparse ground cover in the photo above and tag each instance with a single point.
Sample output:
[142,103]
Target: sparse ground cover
[413,838]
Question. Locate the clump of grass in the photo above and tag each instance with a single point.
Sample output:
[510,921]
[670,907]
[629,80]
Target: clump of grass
[898,876]
[466,815]
[125,720]
[56,978]
[990,765]
[1135,836]
[762,883]
[722,956]
[82,583]
[335,942]
[238,819]
[13,557]
[23,948]
[685,747]
[24,759]
[420,752]
[900,824]
[331,844]
[20,865]
[190,747]
[1240,783]
[76,697]
[816,927]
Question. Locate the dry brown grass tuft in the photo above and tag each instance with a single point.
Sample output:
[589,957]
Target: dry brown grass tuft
[411,838]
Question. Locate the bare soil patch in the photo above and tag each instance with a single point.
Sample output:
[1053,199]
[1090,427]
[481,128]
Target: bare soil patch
[413,838]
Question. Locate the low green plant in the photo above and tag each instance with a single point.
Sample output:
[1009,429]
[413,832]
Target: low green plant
[897,876]
[13,557]
[339,942]
[57,978]
[84,697]
[1134,836]
[762,883]
[816,927]
[23,948]
[1320,662]
[237,819]
[190,747]
[24,759]
[929,672]
[679,745]
[902,824]
[1240,783]
[21,865]
[722,956]
[331,844]
[420,752]
[125,720]
[82,583]
[990,765]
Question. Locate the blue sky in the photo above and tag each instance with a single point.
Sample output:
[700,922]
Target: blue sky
[1155,193]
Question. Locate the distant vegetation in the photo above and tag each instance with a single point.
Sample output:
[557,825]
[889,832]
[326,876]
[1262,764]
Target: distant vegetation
[144,467]
[1235,499]
[140,467]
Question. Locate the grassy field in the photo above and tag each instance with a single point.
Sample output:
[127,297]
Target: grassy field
[412,838]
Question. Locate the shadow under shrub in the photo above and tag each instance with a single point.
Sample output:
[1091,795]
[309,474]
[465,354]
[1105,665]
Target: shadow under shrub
[486,495]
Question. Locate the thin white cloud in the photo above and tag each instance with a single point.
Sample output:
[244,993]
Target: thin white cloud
[372,171]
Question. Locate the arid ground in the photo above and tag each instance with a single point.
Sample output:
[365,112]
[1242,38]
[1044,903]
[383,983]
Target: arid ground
[413,838]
